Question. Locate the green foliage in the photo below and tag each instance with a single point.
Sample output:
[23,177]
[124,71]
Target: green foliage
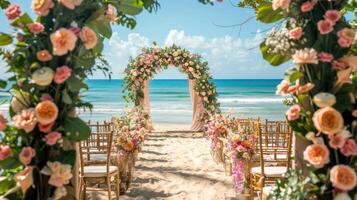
[76,129]
[5,39]
[266,14]
[131,7]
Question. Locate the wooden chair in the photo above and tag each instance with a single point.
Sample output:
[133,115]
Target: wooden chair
[274,139]
[94,171]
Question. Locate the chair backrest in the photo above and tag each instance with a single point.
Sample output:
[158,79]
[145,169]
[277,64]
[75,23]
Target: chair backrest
[96,149]
[274,139]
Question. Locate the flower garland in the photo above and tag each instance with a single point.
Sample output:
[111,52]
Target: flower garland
[48,63]
[321,42]
[155,59]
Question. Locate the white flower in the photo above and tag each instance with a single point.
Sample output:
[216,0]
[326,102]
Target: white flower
[20,101]
[342,196]
[305,56]
[112,13]
[43,76]
[310,136]
[59,193]
[324,99]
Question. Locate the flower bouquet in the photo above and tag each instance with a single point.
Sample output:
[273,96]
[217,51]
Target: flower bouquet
[240,148]
[215,130]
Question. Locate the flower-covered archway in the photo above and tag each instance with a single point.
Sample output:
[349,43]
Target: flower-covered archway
[153,60]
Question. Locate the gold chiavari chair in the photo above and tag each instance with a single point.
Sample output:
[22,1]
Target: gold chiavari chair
[94,171]
[274,149]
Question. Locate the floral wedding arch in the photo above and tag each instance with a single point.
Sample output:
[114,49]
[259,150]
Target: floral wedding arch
[153,60]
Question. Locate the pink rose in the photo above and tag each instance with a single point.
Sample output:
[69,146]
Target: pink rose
[332,15]
[293,113]
[42,7]
[325,26]
[52,138]
[325,57]
[20,37]
[336,141]
[13,11]
[45,128]
[75,30]
[293,89]
[5,151]
[346,37]
[62,74]
[36,27]
[296,33]
[338,65]
[349,148]
[26,155]
[70,4]
[88,37]
[307,6]
[46,97]
[3,122]
[63,40]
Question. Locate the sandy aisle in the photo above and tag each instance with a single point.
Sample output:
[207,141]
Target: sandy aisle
[178,166]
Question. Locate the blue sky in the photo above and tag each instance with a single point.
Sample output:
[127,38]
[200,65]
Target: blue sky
[231,53]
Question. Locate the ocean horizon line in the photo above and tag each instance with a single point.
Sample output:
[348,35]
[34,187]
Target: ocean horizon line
[120,79]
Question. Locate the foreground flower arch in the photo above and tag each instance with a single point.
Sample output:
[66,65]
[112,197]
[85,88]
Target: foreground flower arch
[153,60]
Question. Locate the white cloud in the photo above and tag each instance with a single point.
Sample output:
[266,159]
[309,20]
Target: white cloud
[228,57]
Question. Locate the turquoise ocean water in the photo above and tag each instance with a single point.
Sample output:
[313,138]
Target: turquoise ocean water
[170,99]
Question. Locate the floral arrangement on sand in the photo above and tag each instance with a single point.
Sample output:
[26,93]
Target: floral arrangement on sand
[131,129]
[320,41]
[153,60]
[240,148]
[48,60]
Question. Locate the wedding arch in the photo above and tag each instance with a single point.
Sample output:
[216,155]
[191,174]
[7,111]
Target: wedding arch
[153,60]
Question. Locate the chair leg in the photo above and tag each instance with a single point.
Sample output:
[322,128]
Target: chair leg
[109,188]
[84,191]
[251,196]
[117,186]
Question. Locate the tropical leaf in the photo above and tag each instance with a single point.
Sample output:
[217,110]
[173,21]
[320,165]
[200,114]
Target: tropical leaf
[5,39]
[131,7]
[266,14]
[76,129]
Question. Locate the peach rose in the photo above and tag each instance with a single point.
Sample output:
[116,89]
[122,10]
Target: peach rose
[325,57]
[13,11]
[328,120]
[60,174]
[45,128]
[354,113]
[5,152]
[332,15]
[306,88]
[62,74]
[88,37]
[283,4]
[24,179]
[293,113]
[282,88]
[325,26]
[36,27]
[337,65]
[305,56]
[63,41]
[317,155]
[3,122]
[70,4]
[44,56]
[42,7]
[336,141]
[52,138]
[296,33]
[25,120]
[293,89]
[349,148]
[46,112]
[343,177]
[26,155]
